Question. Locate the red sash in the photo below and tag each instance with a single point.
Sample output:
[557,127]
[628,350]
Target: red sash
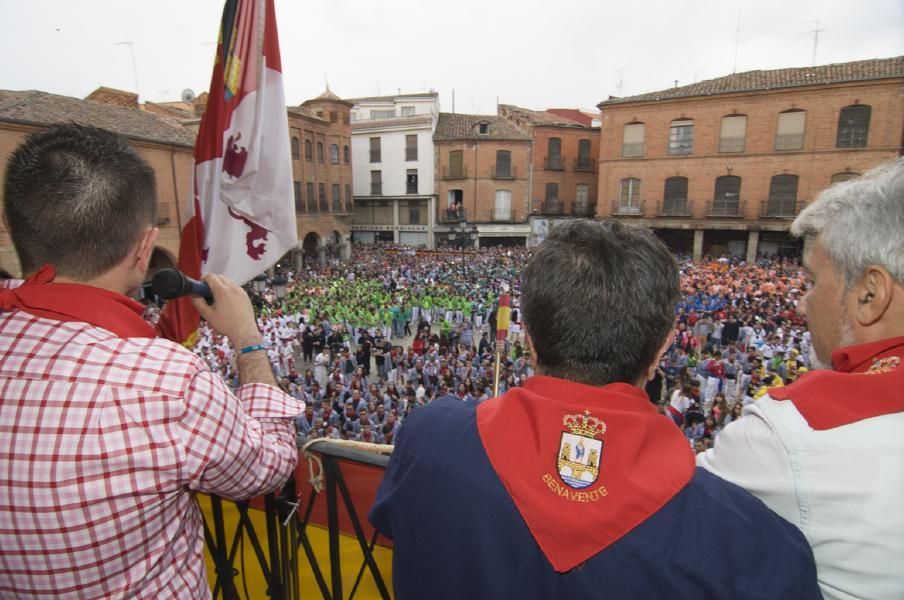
[583,464]
[868,381]
[74,302]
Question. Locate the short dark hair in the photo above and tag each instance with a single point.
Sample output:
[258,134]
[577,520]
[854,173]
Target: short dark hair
[77,197]
[598,300]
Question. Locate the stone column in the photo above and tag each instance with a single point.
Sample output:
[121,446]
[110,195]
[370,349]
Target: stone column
[698,244]
[753,242]
[395,221]
[345,249]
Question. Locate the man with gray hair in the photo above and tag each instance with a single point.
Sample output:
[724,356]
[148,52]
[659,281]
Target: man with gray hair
[827,452]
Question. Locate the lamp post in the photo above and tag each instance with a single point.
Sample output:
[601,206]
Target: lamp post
[260,283]
[279,286]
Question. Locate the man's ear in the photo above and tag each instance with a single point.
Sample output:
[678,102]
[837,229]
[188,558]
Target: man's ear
[873,294]
[651,369]
[146,249]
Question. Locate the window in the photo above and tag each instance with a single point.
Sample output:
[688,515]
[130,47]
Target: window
[456,163]
[382,114]
[319,151]
[681,137]
[411,147]
[733,134]
[308,150]
[629,196]
[632,140]
[312,199]
[334,154]
[554,154]
[726,200]
[853,126]
[412,212]
[790,132]
[502,209]
[296,149]
[674,201]
[782,196]
[376,183]
[299,201]
[407,111]
[324,205]
[411,181]
[552,205]
[582,199]
[503,163]
[375,150]
[349,203]
[584,163]
[337,198]
[334,116]
[484,128]
[846,176]
[346,154]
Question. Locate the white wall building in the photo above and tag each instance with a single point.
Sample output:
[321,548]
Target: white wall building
[392,162]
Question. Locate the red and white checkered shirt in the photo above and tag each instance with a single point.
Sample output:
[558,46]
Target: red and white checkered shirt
[103,442]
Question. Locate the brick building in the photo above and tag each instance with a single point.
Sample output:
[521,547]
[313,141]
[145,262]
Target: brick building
[725,165]
[565,152]
[320,138]
[162,141]
[482,173]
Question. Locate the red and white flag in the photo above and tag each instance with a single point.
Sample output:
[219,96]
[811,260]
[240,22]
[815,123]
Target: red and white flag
[242,214]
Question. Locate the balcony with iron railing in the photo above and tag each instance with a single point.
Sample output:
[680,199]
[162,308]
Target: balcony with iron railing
[502,215]
[725,208]
[501,172]
[554,163]
[452,214]
[584,164]
[324,205]
[634,208]
[780,208]
[552,206]
[456,173]
[674,207]
[337,206]
[584,209]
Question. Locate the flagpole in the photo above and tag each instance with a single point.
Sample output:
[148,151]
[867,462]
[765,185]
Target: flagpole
[496,375]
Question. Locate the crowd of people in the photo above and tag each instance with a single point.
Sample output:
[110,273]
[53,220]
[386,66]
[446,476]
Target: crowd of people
[366,343]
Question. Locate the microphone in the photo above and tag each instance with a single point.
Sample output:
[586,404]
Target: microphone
[171,283]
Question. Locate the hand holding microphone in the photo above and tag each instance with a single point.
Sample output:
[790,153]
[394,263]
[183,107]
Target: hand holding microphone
[219,300]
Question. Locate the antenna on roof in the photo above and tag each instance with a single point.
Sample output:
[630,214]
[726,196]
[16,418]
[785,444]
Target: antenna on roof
[737,41]
[621,79]
[815,41]
[326,81]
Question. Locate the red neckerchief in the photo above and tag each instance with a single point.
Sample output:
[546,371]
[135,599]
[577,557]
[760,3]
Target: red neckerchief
[643,460]
[74,302]
[867,381]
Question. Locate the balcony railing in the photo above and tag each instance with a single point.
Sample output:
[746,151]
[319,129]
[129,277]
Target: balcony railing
[584,209]
[554,163]
[583,164]
[725,208]
[780,209]
[552,207]
[324,205]
[453,214]
[458,173]
[502,173]
[497,215]
[337,206]
[629,209]
[674,207]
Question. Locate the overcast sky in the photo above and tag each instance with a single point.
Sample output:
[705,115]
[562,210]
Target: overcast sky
[534,54]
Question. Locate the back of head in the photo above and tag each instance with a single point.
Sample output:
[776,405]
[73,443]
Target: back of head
[78,198]
[860,223]
[598,301]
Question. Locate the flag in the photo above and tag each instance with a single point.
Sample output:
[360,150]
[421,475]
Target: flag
[503,316]
[242,212]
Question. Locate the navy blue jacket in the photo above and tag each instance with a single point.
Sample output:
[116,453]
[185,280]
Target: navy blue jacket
[458,534]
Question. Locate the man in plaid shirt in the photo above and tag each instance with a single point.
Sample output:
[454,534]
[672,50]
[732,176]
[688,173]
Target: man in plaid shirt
[108,431]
